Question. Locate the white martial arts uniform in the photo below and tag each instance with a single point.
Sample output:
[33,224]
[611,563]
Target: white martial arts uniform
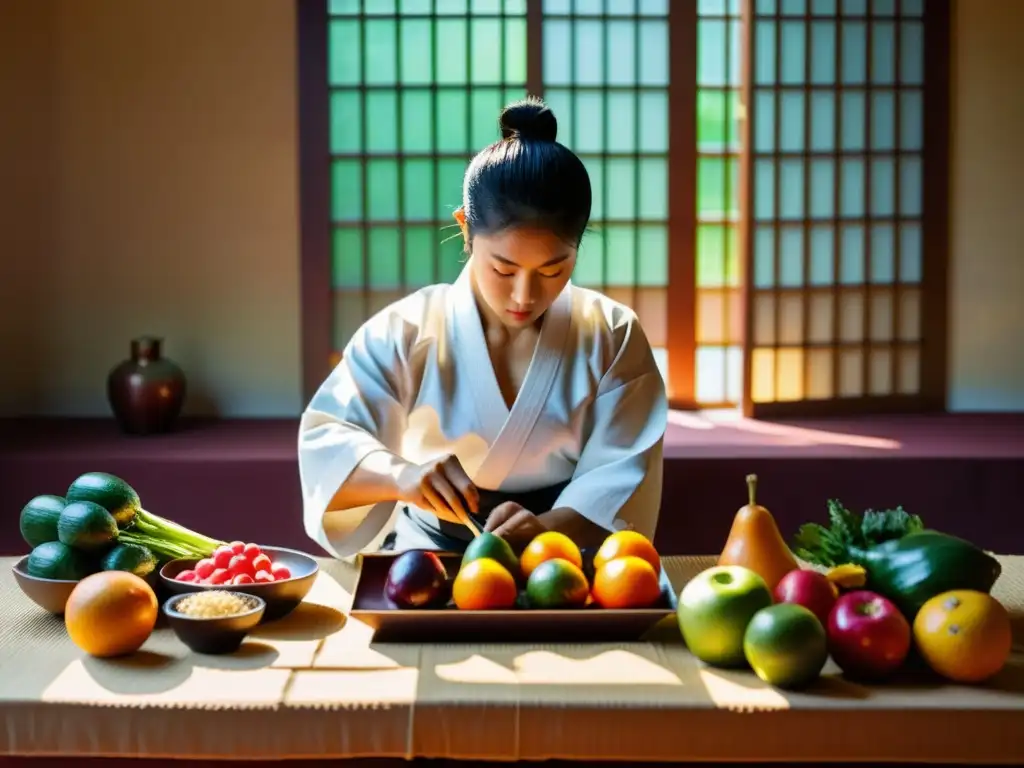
[585,432]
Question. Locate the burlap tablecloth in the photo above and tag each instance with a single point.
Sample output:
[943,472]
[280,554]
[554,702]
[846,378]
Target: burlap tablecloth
[313,685]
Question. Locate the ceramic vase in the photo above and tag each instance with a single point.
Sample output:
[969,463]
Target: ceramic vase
[147,391]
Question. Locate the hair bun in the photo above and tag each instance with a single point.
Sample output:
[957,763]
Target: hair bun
[530,119]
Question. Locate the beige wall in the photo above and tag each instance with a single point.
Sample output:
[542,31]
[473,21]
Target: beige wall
[148,184]
[986,302]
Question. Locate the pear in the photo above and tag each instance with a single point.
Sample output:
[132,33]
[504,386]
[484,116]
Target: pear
[755,541]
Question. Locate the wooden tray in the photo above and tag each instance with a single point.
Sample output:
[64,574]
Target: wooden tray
[449,625]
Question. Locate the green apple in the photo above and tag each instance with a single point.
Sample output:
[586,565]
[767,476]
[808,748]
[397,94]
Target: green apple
[714,610]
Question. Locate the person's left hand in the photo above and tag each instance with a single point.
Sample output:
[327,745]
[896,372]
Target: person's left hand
[510,521]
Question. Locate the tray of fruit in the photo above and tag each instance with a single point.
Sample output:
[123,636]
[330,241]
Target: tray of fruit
[552,592]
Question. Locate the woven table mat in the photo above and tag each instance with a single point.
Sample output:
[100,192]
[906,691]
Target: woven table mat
[299,660]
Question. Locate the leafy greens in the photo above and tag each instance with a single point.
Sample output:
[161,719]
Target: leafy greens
[831,546]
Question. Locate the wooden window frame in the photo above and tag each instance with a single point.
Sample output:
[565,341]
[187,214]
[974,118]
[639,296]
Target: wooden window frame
[315,259]
[315,304]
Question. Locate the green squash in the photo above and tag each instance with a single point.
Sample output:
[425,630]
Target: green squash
[912,569]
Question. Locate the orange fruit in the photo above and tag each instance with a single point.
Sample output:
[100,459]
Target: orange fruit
[110,613]
[483,585]
[626,582]
[548,546]
[624,543]
[964,635]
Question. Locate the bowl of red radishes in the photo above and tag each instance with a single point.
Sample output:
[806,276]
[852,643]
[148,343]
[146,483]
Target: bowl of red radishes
[282,577]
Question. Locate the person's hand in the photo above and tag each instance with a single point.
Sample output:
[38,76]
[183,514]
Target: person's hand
[518,526]
[441,487]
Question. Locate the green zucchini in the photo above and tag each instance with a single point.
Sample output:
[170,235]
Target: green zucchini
[915,568]
[87,527]
[110,492]
[39,518]
[133,558]
[53,560]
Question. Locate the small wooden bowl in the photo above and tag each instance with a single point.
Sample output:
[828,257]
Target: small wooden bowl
[49,594]
[52,594]
[216,635]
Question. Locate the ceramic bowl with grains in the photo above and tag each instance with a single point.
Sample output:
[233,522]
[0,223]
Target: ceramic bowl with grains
[213,621]
[216,604]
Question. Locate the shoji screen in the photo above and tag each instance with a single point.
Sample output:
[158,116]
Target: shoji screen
[416,89]
[836,200]
[605,74]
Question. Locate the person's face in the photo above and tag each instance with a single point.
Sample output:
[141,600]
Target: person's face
[520,272]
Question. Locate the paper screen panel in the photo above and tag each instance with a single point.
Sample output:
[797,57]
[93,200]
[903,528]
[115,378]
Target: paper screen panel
[719,363]
[836,174]
[416,87]
[605,76]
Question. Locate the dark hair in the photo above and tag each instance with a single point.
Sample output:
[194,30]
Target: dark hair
[527,178]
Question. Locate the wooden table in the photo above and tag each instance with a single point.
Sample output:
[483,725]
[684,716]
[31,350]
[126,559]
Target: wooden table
[314,685]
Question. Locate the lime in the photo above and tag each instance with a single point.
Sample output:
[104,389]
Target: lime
[786,645]
[557,583]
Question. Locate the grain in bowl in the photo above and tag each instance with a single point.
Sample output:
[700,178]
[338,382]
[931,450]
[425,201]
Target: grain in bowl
[214,604]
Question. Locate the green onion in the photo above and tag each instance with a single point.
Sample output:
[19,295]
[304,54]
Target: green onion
[166,540]
[154,525]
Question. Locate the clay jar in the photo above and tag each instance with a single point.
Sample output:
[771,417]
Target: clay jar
[147,391]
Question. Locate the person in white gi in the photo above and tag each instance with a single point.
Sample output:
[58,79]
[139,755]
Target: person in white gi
[511,397]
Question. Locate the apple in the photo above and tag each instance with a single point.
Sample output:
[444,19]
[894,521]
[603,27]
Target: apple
[714,610]
[868,637]
[810,589]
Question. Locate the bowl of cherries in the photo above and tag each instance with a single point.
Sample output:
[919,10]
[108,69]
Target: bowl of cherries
[281,577]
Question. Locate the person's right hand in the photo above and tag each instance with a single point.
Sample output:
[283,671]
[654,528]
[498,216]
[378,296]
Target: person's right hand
[442,487]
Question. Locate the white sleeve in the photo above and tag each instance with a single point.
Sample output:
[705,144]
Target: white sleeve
[359,410]
[618,478]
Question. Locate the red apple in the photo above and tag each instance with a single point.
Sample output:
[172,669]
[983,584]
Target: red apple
[868,637]
[810,589]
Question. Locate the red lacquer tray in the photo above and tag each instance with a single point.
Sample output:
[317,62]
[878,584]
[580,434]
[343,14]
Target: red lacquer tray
[449,625]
